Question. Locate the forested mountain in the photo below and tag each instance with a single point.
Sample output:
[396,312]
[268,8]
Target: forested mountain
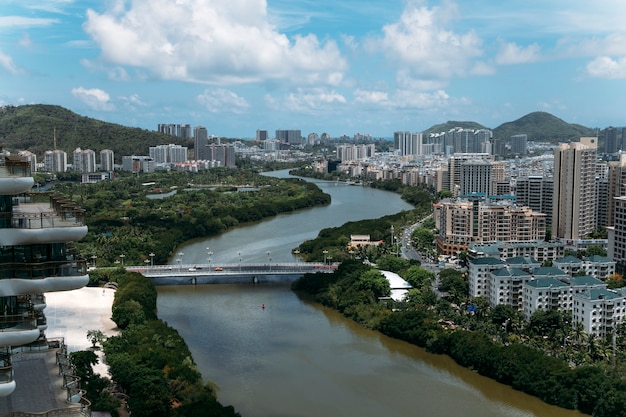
[543,127]
[539,126]
[32,127]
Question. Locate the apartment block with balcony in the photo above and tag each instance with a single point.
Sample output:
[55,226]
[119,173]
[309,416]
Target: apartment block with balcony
[600,310]
[35,229]
[464,222]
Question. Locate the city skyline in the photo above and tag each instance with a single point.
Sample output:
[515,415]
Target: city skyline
[338,67]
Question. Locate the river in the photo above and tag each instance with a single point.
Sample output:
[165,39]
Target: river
[295,358]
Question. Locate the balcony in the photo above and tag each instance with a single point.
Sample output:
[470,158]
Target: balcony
[42,218]
[30,278]
[18,329]
[7,384]
[15,176]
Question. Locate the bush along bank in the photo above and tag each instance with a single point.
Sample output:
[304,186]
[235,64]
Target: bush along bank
[151,363]
[592,389]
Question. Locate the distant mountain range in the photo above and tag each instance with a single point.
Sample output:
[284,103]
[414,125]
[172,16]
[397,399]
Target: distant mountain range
[539,126]
[33,127]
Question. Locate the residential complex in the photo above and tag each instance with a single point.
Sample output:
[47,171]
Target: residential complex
[525,285]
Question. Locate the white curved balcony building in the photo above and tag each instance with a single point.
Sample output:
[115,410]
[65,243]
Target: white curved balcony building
[34,258]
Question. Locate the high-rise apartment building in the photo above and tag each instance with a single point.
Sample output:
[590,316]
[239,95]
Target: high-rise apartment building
[616,186]
[55,161]
[407,143]
[168,154]
[107,160]
[473,221]
[84,160]
[348,153]
[454,168]
[292,137]
[224,154]
[261,135]
[200,142]
[611,143]
[535,191]
[519,144]
[574,205]
[34,259]
[475,177]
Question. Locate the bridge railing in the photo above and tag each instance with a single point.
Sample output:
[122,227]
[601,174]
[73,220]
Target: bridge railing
[231,268]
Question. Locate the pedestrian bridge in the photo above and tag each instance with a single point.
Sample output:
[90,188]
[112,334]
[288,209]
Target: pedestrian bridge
[243,273]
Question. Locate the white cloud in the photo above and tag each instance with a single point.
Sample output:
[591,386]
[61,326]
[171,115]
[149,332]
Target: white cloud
[219,41]
[22,22]
[309,101]
[420,42]
[94,97]
[607,67]
[7,63]
[510,53]
[133,101]
[371,97]
[219,100]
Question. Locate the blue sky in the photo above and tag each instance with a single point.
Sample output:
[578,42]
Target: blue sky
[341,67]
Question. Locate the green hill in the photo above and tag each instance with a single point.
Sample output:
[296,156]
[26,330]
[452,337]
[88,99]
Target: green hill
[444,127]
[539,126]
[32,128]
[543,127]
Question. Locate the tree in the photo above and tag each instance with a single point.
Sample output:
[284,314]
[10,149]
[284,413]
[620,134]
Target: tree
[95,337]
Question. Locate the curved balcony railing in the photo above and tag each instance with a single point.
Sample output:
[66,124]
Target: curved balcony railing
[14,165]
[41,270]
[41,211]
[6,368]
[22,321]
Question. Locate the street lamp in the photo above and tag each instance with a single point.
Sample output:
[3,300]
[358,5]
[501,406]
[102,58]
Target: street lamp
[210,254]
[180,261]
[151,259]
[269,258]
[122,256]
[239,253]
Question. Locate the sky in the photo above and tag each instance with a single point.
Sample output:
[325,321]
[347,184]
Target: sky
[321,66]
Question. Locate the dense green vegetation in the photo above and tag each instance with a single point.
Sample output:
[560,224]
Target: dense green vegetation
[151,363]
[543,127]
[32,127]
[123,220]
[497,343]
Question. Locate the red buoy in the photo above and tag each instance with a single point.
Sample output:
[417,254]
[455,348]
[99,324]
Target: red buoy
[263,306]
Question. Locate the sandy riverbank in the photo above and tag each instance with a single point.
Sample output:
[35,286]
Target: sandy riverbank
[70,314]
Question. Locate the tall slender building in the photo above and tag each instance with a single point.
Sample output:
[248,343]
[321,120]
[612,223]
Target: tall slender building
[200,142]
[107,160]
[34,259]
[574,208]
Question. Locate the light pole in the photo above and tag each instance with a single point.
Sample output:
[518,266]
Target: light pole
[122,256]
[151,258]
[180,261]
[209,259]
[239,253]
[269,258]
